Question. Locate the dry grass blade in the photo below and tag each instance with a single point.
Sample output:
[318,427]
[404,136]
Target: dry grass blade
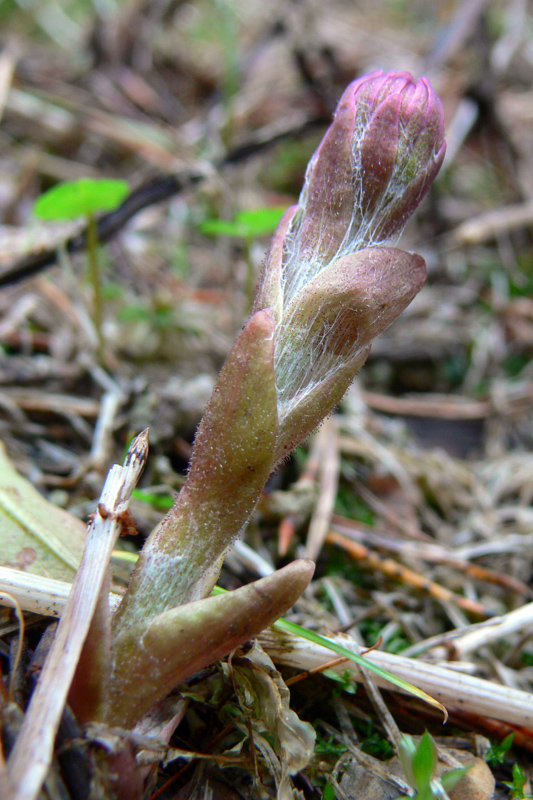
[7,69]
[494,223]
[327,488]
[519,620]
[452,688]
[39,595]
[30,759]
[20,618]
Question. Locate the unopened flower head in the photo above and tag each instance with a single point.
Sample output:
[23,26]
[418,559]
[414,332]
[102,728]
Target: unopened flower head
[330,281]
[371,170]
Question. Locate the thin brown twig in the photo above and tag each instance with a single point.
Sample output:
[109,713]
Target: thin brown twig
[397,571]
[328,485]
[308,672]
[434,553]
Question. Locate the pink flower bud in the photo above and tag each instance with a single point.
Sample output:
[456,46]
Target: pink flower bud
[328,282]
[371,170]
[402,149]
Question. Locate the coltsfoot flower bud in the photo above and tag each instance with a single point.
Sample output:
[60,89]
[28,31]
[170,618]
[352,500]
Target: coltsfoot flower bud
[406,125]
[329,282]
[371,170]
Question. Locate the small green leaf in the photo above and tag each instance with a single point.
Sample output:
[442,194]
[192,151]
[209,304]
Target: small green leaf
[346,684]
[260,221]
[518,784]
[329,792]
[424,761]
[497,752]
[419,762]
[221,227]
[245,224]
[161,502]
[453,776]
[406,751]
[80,198]
[329,746]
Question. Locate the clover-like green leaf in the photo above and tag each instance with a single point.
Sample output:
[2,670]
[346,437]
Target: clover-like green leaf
[85,197]
[245,224]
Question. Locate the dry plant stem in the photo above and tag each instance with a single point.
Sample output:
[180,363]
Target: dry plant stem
[307,480]
[518,620]
[251,560]
[20,646]
[37,594]
[453,689]
[8,60]
[35,400]
[382,541]
[102,444]
[380,707]
[460,27]
[494,223]
[327,489]
[31,756]
[433,405]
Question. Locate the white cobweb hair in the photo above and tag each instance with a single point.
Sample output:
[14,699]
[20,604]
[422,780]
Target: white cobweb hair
[303,361]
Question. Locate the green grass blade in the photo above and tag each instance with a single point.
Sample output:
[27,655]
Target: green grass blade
[316,638]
